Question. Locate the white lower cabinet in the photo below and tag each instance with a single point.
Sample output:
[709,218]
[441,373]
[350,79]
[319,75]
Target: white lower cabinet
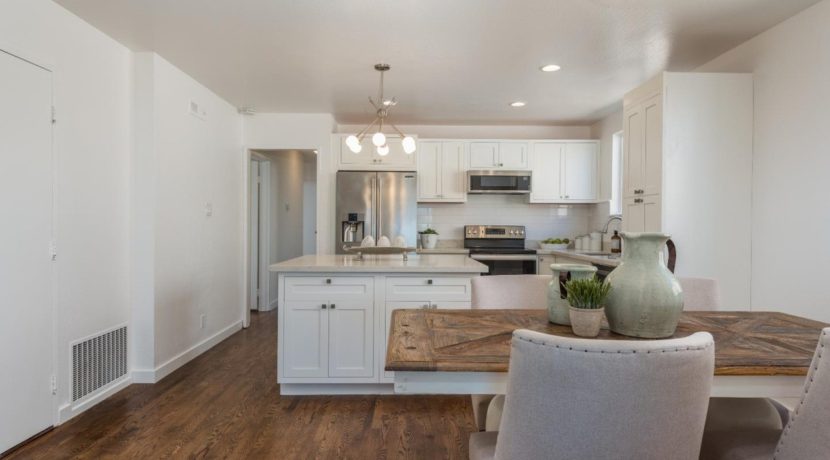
[351,339]
[334,329]
[306,342]
[331,327]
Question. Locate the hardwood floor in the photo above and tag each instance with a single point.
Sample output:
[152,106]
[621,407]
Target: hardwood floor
[226,404]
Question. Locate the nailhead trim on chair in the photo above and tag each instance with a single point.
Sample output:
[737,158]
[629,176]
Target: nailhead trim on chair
[803,396]
[618,351]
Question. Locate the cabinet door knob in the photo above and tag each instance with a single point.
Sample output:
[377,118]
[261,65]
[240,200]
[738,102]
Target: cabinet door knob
[429,281]
[328,281]
[332,306]
[323,306]
[425,306]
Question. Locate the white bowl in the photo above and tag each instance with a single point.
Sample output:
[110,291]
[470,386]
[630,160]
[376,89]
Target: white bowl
[369,241]
[553,247]
[383,242]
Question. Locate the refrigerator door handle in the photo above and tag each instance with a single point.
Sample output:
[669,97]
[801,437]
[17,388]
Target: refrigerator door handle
[380,206]
[373,228]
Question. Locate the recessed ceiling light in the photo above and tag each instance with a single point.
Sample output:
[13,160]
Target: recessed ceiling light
[549,68]
[518,104]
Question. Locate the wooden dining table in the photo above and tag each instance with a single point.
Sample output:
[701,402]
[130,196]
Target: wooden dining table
[757,354]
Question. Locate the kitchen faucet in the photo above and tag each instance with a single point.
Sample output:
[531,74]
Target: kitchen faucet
[611,219]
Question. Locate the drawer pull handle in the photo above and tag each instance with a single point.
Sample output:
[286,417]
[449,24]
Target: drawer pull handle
[324,306]
[429,281]
[332,306]
[328,281]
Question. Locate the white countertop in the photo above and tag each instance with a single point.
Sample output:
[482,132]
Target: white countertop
[421,263]
[444,251]
[581,255]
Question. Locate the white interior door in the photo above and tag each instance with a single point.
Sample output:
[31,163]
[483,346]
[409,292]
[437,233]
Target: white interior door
[26,334]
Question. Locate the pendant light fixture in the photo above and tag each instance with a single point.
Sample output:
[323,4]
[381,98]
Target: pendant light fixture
[382,107]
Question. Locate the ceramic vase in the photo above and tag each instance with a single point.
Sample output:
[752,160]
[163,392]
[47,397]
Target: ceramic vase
[645,299]
[586,322]
[558,306]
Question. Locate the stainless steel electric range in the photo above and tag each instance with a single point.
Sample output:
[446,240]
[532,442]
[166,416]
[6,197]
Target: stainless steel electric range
[501,248]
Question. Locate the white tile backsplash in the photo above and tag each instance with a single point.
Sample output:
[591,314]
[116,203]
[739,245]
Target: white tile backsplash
[541,220]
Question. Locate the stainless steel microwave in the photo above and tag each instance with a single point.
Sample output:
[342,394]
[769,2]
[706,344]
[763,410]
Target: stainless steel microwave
[498,181]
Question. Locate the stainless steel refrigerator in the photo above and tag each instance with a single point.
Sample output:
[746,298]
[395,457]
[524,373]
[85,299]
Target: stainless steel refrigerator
[379,204]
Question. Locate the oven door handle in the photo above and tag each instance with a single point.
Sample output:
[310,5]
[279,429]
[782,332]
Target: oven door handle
[503,257]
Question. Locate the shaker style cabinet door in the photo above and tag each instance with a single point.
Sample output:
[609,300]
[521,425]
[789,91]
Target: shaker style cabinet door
[484,155]
[580,173]
[429,170]
[351,339]
[453,172]
[546,183]
[306,344]
[633,140]
[513,155]
[652,146]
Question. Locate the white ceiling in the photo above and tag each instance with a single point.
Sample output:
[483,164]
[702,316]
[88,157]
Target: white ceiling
[453,61]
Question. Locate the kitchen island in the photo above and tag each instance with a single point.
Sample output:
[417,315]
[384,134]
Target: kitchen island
[334,313]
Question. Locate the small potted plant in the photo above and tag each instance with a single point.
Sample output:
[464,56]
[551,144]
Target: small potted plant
[587,299]
[429,238]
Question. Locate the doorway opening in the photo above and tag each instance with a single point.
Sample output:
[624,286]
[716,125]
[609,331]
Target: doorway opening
[283,216]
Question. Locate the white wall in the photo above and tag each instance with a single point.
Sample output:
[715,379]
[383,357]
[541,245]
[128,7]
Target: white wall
[310,206]
[486,131]
[790,219]
[197,258]
[312,131]
[92,78]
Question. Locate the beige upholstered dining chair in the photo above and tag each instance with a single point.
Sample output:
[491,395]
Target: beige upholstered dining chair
[573,398]
[504,292]
[805,435]
[700,294]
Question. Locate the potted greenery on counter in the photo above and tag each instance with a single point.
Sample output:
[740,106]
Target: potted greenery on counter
[429,238]
[587,299]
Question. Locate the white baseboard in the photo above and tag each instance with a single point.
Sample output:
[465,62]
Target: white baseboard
[162,371]
[336,389]
[70,410]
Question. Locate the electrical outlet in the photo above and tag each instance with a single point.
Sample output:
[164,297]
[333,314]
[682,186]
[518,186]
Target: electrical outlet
[202,321]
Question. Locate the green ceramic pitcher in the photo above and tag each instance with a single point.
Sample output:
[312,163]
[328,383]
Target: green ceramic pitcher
[645,299]
[558,306]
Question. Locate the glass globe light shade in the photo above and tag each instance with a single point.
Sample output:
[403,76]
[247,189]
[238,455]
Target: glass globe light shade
[378,139]
[408,144]
[383,150]
[353,143]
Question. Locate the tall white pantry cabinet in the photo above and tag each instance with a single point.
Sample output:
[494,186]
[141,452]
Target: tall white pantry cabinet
[687,171]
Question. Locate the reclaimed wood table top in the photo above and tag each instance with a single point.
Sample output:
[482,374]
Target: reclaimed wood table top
[746,343]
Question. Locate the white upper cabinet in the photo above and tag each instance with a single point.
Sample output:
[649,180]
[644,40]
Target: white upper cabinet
[643,138]
[546,182]
[580,170]
[484,155]
[513,155]
[499,155]
[368,159]
[564,172]
[442,171]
